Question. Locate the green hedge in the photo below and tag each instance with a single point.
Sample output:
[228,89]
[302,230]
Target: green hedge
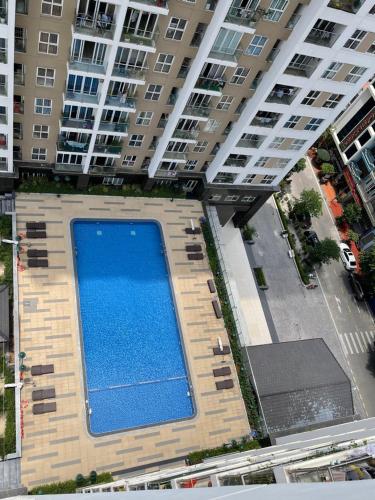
[244,445]
[259,275]
[246,389]
[6,251]
[69,486]
[8,441]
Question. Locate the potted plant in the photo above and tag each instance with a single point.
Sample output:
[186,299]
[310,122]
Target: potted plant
[248,232]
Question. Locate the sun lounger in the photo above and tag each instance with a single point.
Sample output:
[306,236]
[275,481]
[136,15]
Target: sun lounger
[217,309]
[41,394]
[42,369]
[225,384]
[37,262]
[41,408]
[190,230]
[195,256]
[32,235]
[37,253]
[193,248]
[211,286]
[38,226]
[219,352]
[222,372]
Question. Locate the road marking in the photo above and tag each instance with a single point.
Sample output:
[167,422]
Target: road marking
[358,309]
[353,342]
[369,339]
[359,340]
[343,345]
[338,302]
[348,343]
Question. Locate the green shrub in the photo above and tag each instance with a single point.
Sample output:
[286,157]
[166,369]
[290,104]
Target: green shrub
[244,445]
[259,275]
[353,236]
[68,486]
[248,232]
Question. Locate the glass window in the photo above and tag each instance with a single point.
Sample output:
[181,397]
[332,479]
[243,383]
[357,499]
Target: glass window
[39,154]
[261,162]
[310,98]
[48,43]
[225,102]
[277,143]
[136,140]
[164,63]
[268,179]
[249,179]
[239,75]
[332,70]
[52,7]
[191,164]
[256,45]
[313,124]
[45,77]
[175,28]
[200,147]
[42,106]
[354,74]
[248,199]
[355,39]
[276,10]
[153,92]
[129,161]
[292,121]
[144,118]
[40,131]
[333,101]
[297,144]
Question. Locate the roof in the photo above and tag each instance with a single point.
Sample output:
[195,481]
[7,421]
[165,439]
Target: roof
[4,313]
[300,384]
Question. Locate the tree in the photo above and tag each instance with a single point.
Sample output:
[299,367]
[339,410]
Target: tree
[310,202]
[367,259]
[323,155]
[325,251]
[299,166]
[352,213]
[327,169]
[353,236]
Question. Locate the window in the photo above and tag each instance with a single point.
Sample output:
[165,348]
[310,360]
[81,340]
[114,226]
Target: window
[275,10]
[256,45]
[136,140]
[261,162]
[277,142]
[313,124]
[292,121]
[153,92]
[311,97]
[332,70]
[48,42]
[268,179]
[249,179]
[45,77]
[282,163]
[52,7]
[215,197]
[333,101]
[129,161]
[164,63]
[200,147]
[19,39]
[355,39]
[297,144]
[40,131]
[371,49]
[239,75]
[231,197]
[191,164]
[39,154]
[144,118]
[42,106]
[113,181]
[225,102]
[175,28]
[354,74]
[248,199]
[211,126]
[17,130]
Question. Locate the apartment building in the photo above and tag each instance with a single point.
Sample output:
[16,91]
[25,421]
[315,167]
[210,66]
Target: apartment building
[221,97]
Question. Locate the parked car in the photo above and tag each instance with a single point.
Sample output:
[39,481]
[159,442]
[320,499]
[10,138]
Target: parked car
[356,287]
[347,257]
[311,238]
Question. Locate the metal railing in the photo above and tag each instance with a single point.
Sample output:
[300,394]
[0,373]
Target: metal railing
[120,101]
[273,54]
[140,38]
[260,121]
[235,162]
[201,111]
[298,69]
[249,143]
[108,148]
[77,123]
[101,25]
[113,126]
[73,146]
[20,44]
[172,99]
[322,37]
[210,84]
[244,17]
[19,78]
[87,64]
[125,71]
[186,134]
[81,97]
[293,21]
[68,167]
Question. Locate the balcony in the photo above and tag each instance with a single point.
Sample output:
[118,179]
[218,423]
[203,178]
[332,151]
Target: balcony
[198,111]
[81,97]
[210,85]
[68,167]
[249,143]
[113,127]
[114,149]
[282,94]
[229,56]
[3,119]
[273,54]
[3,166]
[189,135]
[72,146]
[302,69]
[100,26]
[175,156]
[76,123]
[236,162]
[19,78]
[172,99]
[120,101]
[244,17]
[293,21]
[18,107]
[3,142]
[163,4]
[264,121]
[351,6]
[3,56]
[322,37]
[132,72]
[3,13]
[103,169]
[86,65]
[147,38]
[20,44]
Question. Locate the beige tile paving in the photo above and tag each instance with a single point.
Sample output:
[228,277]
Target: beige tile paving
[56,446]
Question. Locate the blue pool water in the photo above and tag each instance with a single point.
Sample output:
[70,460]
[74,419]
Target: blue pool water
[132,354]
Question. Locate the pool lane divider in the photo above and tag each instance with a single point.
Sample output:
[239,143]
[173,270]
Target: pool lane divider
[146,382]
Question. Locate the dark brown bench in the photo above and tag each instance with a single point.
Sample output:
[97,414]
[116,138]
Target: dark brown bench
[195,256]
[222,372]
[42,369]
[37,262]
[225,384]
[41,408]
[193,248]
[37,253]
[211,286]
[38,226]
[217,309]
[189,230]
[32,235]
[41,394]
[219,352]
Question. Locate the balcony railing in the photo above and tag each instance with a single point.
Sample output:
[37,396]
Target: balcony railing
[68,167]
[140,38]
[87,64]
[76,123]
[18,107]
[3,14]
[249,143]
[186,134]
[173,155]
[113,127]
[197,111]
[120,101]
[81,97]
[3,166]
[99,26]
[273,54]
[262,121]
[156,3]
[321,37]
[281,96]
[351,6]
[73,146]
[3,56]
[3,119]
[125,71]
[226,55]
[297,69]
[183,73]
[293,21]
[108,148]
[19,78]
[20,44]
[172,99]
[210,84]
[235,162]
[244,17]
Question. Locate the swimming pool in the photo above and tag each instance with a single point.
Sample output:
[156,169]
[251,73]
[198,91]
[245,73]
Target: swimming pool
[135,371]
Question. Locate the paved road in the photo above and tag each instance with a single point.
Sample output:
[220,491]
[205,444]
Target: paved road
[353,322]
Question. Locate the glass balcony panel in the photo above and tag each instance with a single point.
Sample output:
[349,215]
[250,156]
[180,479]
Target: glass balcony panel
[86,64]
[282,94]
[73,146]
[321,37]
[99,26]
[3,56]
[140,38]
[76,123]
[68,167]
[120,101]
[186,134]
[156,3]
[126,71]
[108,148]
[197,111]
[244,17]
[113,127]
[210,84]
[82,97]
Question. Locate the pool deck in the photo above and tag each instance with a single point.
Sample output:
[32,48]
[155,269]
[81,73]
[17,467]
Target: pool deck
[57,446]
